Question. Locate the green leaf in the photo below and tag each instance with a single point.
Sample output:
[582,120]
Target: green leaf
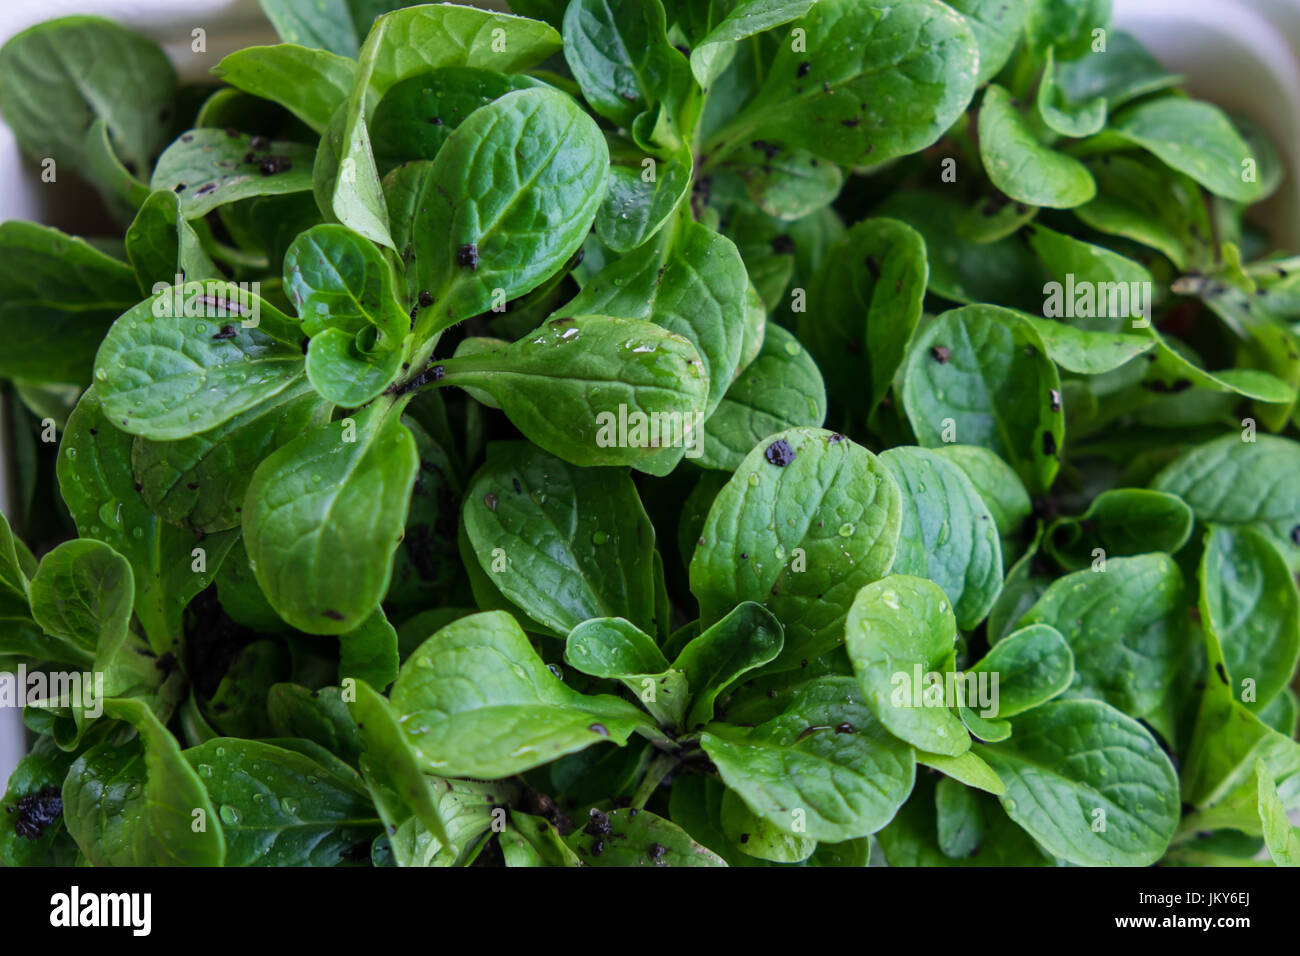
[784,182]
[420,38]
[903,81]
[208,168]
[192,357]
[780,389]
[806,520]
[1126,626]
[999,487]
[984,369]
[638,838]
[1088,783]
[57,77]
[690,281]
[199,482]
[712,54]
[1120,522]
[634,209]
[162,245]
[531,841]
[38,777]
[824,768]
[959,819]
[1021,166]
[509,200]
[58,295]
[137,803]
[997,26]
[280,808]
[1231,481]
[565,544]
[320,716]
[1191,137]
[948,534]
[753,836]
[324,514]
[969,768]
[1032,665]
[82,595]
[621,57]
[338,280]
[1123,71]
[327,25]
[1062,115]
[95,480]
[369,652]
[309,83]
[476,700]
[746,639]
[613,647]
[1250,604]
[417,115]
[1281,836]
[340,369]
[594,390]
[900,636]
[1068,25]
[861,319]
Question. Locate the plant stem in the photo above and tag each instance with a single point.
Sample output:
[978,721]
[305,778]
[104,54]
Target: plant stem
[659,768]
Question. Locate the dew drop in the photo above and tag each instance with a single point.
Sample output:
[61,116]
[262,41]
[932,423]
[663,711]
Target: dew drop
[846,529]
[229,815]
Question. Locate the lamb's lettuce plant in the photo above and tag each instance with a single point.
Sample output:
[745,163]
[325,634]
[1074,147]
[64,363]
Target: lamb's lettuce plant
[649,432]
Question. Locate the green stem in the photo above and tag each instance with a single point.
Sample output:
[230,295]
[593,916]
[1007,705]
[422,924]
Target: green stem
[659,768]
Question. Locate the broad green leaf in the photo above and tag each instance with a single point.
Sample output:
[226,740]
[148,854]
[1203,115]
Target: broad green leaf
[344,373]
[1191,137]
[997,26]
[907,75]
[324,514]
[1021,166]
[58,296]
[57,77]
[192,357]
[784,182]
[900,635]
[806,520]
[824,768]
[690,281]
[864,302]
[162,245]
[82,595]
[753,836]
[1230,481]
[369,652]
[594,390]
[208,168]
[310,83]
[1280,834]
[968,767]
[635,209]
[34,835]
[638,838]
[390,767]
[1071,764]
[612,647]
[1068,25]
[19,633]
[321,716]
[959,819]
[999,487]
[337,279]
[280,808]
[621,57]
[1126,626]
[1062,115]
[1123,71]
[326,25]
[415,117]
[712,54]
[744,640]
[1250,604]
[199,482]
[1120,522]
[134,803]
[566,544]
[781,389]
[948,534]
[508,201]
[531,841]
[424,37]
[170,565]
[476,700]
[1031,666]
[983,369]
